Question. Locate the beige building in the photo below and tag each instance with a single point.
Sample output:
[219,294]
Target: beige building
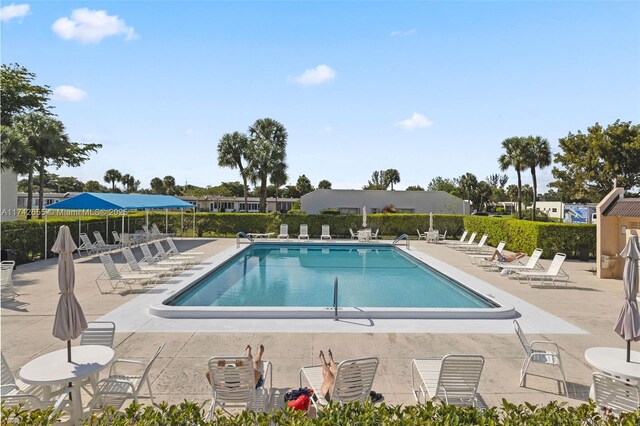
[618,219]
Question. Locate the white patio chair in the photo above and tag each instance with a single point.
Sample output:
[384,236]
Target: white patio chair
[284,232]
[615,394]
[14,391]
[442,237]
[101,244]
[97,333]
[86,245]
[460,241]
[481,258]
[148,235]
[553,274]
[156,231]
[145,268]
[421,235]
[113,277]
[174,250]
[117,388]
[116,238]
[532,264]
[470,243]
[163,255]
[304,232]
[454,379]
[152,260]
[234,385]
[325,232]
[374,236]
[354,236]
[353,382]
[543,352]
[7,291]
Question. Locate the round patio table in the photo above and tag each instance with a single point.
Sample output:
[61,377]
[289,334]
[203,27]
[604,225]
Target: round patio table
[613,361]
[54,369]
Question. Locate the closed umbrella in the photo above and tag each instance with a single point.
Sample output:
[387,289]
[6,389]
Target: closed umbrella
[69,321]
[364,217]
[431,221]
[628,324]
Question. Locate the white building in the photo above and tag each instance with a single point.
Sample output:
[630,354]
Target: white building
[210,203]
[351,201]
[8,195]
[554,209]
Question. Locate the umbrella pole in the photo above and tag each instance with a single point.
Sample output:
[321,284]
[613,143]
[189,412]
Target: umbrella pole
[628,350]
[69,360]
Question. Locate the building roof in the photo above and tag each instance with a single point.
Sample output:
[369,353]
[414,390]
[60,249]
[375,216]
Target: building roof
[108,201]
[625,207]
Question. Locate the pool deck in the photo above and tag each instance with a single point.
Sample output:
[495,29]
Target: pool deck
[587,308]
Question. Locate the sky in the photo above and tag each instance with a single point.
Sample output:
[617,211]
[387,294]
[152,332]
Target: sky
[428,88]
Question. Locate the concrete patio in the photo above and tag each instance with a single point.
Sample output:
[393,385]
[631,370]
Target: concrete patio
[587,302]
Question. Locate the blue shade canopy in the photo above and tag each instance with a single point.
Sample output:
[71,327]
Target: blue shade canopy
[96,201]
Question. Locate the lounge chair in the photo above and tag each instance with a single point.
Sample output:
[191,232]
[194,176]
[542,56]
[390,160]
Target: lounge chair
[304,232]
[532,264]
[152,260]
[479,248]
[15,392]
[163,255]
[354,379]
[174,250]
[460,241]
[481,259]
[117,388]
[113,277]
[469,243]
[101,244]
[325,233]
[284,232]
[145,268]
[116,238]
[156,231]
[453,379]
[7,290]
[553,274]
[86,245]
[421,235]
[538,352]
[354,236]
[617,395]
[234,385]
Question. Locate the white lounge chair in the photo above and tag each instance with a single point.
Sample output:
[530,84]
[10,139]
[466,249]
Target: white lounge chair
[325,233]
[7,291]
[174,250]
[234,385]
[538,352]
[481,259]
[553,274]
[117,388]
[101,244]
[460,241]
[354,236]
[113,277]
[353,382]
[479,248]
[156,231]
[163,255]
[152,260]
[453,379]
[86,245]
[284,232]
[304,232]
[14,392]
[532,264]
[617,395]
[145,268]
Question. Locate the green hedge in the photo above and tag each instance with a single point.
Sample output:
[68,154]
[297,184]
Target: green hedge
[190,413]
[27,237]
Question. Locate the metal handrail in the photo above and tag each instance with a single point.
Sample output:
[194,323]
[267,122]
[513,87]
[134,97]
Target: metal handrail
[243,235]
[403,237]
[335,299]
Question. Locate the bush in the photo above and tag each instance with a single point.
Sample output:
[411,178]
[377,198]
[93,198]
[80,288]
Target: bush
[329,211]
[191,413]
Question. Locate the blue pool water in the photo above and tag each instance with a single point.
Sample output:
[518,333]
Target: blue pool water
[303,275]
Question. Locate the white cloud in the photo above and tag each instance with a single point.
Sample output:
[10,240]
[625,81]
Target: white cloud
[91,26]
[69,93]
[414,122]
[314,76]
[12,11]
[402,33]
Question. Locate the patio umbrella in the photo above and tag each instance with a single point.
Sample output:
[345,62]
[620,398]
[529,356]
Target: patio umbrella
[431,221]
[628,324]
[69,321]
[364,217]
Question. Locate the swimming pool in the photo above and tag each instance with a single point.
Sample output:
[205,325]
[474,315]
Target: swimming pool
[297,280]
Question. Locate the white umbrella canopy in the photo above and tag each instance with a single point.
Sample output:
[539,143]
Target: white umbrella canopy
[364,217]
[69,320]
[628,323]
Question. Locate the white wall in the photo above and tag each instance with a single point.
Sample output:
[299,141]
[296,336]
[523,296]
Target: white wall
[8,195]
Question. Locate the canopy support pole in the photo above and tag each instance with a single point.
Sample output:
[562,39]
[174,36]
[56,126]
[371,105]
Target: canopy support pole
[79,229]
[194,222]
[45,235]
[107,231]
[146,212]
[166,221]
[122,225]
[181,223]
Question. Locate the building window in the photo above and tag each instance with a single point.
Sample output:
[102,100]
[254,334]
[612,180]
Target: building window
[554,210]
[349,210]
[253,207]
[410,211]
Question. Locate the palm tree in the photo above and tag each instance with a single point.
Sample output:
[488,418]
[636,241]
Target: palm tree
[538,155]
[129,183]
[157,185]
[515,156]
[232,149]
[278,178]
[15,151]
[391,176]
[266,153]
[112,176]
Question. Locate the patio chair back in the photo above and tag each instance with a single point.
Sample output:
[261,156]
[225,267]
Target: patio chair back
[459,379]
[98,236]
[98,333]
[304,230]
[146,252]
[501,246]
[353,235]
[232,383]
[116,237]
[161,253]
[172,246]
[354,379]
[556,264]
[472,238]
[483,241]
[326,230]
[110,267]
[8,380]
[86,242]
[284,229]
[145,374]
[464,235]
[6,279]
[535,257]
[616,394]
[131,260]
[523,339]
[374,236]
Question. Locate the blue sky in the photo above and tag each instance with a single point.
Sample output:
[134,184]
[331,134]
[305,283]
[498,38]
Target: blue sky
[428,88]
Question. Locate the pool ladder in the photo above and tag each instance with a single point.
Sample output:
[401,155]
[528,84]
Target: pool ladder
[335,299]
[242,235]
[403,237]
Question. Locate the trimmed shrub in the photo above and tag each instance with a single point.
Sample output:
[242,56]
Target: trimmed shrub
[329,211]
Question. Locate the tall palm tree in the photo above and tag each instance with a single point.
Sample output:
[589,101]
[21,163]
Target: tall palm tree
[266,153]
[15,151]
[112,176]
[278,178]
[391,176]
[515,156]
[232,149]
[538,155]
